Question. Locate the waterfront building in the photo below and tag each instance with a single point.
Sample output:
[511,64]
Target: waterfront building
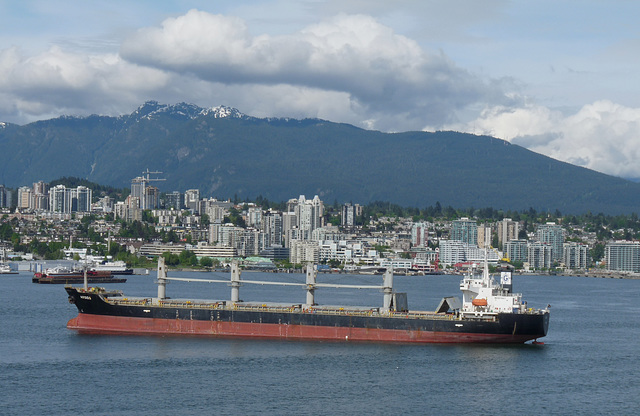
[206,250]
[507,230]
[476,254]
[465,230]
[540,255]
[452,251]
[553,235]
[304,252]
[334,250]
[622,256]
[158,249]
[516,250]
[575,255]
[275,253]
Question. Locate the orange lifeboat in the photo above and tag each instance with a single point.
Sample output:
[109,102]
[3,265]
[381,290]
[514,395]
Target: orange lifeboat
[479,302]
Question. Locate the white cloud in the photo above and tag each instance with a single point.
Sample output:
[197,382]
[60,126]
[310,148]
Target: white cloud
[57,82]
[388,77]
[602,136]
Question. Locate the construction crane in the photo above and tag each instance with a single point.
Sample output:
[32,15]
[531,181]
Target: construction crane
[149,179]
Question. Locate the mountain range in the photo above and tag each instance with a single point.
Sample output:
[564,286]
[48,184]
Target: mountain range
[227,154]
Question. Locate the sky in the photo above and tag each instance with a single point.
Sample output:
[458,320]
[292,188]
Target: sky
[556,77]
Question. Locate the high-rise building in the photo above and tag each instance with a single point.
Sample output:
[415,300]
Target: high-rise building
[40,196]
[59,199]
[173,200]
[553,235]
[516,250]
[623,256]
[575,255]
[484,236]
[272,227]
[304,252]
[67,200]
[465,230]
[420,234]
[25,195]
[151,197]
[507,230]
[349,214]
[81,199]
[254,217]
[309,216]
[192,200]
[540,255]
[139,189]
[289,227]
[5,197]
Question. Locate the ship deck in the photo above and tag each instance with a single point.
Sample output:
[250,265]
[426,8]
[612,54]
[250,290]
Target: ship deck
[283,307]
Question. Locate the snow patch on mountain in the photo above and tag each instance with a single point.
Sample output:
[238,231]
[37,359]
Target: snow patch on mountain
[151,109]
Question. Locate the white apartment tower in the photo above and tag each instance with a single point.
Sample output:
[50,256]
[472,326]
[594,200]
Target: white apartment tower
[507,230]
[553,235]
[309,214]
[192,200]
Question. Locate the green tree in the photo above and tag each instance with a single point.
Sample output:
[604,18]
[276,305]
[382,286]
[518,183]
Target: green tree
[206,262]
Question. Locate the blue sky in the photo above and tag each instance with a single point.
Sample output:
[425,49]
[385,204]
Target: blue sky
[557,77]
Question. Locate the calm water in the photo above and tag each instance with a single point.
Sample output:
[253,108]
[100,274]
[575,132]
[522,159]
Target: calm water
[588,365]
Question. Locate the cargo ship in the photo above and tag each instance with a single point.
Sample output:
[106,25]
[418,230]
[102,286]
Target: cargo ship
[63,275]
[488,313]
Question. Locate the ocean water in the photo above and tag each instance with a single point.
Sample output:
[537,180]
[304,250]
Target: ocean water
[589,364]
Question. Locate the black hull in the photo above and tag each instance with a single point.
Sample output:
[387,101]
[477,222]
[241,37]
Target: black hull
[218,319]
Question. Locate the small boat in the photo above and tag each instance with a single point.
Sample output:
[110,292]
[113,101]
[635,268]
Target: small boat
[64,275]
[6,269]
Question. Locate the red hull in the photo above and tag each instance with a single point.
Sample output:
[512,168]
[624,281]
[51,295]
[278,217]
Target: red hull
[104,324]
